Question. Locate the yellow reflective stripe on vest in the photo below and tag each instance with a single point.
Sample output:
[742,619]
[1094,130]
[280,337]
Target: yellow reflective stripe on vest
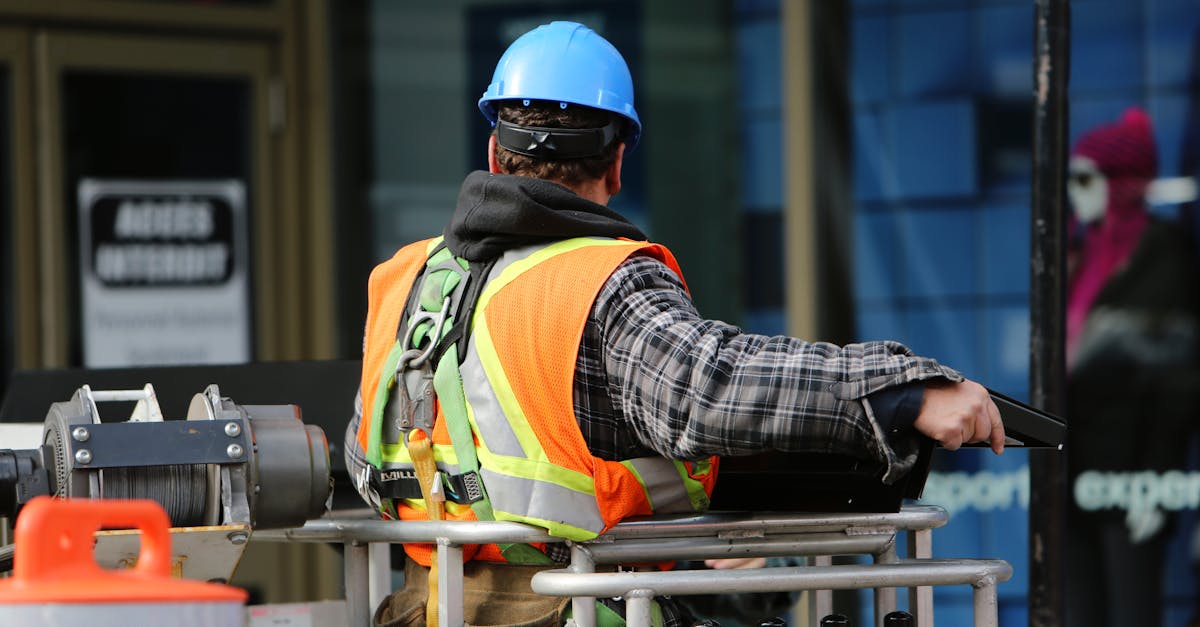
[487,353]
[396,456]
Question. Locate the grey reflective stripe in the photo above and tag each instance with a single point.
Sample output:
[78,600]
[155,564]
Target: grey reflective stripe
[489,417]
[664,486]
[542,499]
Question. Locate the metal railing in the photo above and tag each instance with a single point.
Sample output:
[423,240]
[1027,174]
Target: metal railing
[715,535]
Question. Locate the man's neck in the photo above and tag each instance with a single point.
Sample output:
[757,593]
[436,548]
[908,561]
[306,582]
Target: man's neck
[593,190]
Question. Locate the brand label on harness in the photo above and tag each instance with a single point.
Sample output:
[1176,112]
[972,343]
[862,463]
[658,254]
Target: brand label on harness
[397,475]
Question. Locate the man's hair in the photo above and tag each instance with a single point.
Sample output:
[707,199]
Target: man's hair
[549,114]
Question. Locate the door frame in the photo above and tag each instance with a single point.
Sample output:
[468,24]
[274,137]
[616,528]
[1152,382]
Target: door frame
[55,54]
[14,53]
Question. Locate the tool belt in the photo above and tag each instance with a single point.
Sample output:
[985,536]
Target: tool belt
[494,594]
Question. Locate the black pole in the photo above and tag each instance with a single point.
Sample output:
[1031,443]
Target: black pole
[1047,307]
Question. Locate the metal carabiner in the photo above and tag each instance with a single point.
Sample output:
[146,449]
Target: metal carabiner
[439,322]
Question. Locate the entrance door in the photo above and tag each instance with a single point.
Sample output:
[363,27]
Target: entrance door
[160,121]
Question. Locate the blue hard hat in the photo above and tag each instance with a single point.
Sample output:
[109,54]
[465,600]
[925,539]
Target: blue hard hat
[564,62]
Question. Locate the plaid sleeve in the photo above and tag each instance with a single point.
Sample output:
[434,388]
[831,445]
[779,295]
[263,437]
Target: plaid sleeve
[355,457]
[691,387]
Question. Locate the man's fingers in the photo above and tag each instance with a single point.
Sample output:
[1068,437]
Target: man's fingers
[955,414]
[997,427]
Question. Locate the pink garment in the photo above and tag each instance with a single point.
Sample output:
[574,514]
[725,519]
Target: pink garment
[1126,154]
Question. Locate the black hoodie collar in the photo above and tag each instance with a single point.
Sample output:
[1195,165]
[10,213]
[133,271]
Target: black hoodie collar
[498,212]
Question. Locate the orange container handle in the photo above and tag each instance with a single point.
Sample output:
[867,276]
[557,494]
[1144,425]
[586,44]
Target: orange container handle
[54,535]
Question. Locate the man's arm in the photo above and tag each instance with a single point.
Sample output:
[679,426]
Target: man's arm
[691,387]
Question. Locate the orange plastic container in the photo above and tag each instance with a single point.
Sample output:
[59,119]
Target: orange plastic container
[56,580]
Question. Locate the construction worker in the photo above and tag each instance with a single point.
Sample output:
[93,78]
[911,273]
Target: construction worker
[542,362]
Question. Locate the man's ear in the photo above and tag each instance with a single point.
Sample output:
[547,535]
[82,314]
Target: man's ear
[493,164]
[612,178]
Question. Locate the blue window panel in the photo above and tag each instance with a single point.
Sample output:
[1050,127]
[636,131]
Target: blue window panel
[1006,250]
[1006,350]
[1090,112]
[872,167]
[879,324]
[876,258]
[952,605]
[765,321]
[1106,46]
[927,4]
[1003,49]
[934,53]
[940,249]
[757,6]
[1178,612]
[961,535]
[1171,26]
[633,210]
[1013,611]
[1180,579]
[934,151]
[758,64]
[1002,497]
[1169,113]
[762,164]
[870,4]
[871,66]
[948,334]
[958,538]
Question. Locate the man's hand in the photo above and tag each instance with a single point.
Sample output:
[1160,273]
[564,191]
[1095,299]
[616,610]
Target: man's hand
[960,413]
[736,562]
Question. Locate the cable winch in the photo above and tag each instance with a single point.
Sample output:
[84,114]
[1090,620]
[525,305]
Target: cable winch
[224,464]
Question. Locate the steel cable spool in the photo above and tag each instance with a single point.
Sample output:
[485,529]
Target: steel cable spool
[182,490]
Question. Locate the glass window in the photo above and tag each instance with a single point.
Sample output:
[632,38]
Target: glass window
[941,124]
[678,185]
[942,110]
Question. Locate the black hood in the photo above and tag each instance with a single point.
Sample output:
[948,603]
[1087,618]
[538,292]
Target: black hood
[498,212]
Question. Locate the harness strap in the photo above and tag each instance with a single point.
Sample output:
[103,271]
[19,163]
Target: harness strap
[420,449]
[399,483]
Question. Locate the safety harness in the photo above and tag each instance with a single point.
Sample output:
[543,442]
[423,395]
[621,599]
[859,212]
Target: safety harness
[439,310]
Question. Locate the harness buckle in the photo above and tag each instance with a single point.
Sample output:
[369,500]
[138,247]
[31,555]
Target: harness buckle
[438,318]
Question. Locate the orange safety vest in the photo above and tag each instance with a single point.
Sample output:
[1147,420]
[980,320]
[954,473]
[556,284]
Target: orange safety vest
[535,464]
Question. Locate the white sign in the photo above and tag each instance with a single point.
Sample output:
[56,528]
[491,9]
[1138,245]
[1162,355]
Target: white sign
[163,268]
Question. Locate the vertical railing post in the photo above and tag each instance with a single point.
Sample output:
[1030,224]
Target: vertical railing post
[1047,303]
[357,577]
